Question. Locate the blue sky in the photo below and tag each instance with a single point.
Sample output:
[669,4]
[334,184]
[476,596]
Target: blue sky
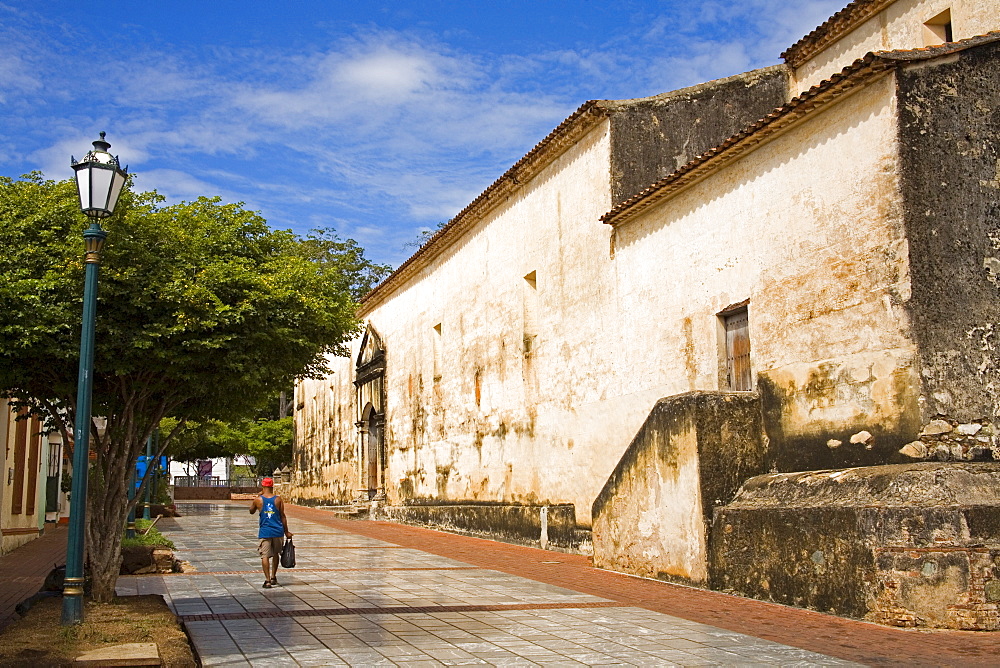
[379,119]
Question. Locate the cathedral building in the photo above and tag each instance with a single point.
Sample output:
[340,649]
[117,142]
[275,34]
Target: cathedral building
[683,330]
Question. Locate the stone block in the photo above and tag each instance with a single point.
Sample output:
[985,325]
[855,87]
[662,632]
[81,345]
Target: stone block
[914,450]
[694,451]
[129,654]
[914,545]
[936,428]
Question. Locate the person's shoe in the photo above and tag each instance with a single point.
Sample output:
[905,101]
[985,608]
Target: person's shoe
[267,584]
[274,582]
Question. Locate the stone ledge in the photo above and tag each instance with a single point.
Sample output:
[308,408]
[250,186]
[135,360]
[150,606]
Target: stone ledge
[913,545]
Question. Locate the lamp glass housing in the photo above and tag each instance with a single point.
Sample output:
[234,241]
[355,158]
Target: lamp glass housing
[99,181]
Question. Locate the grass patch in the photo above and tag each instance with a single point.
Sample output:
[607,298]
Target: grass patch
[39,640]
[151,537]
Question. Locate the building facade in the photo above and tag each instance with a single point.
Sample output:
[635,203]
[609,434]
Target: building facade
[32,467]
[788,270]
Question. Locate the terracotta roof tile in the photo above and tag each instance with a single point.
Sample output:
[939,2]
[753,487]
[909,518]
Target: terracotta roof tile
[847,19]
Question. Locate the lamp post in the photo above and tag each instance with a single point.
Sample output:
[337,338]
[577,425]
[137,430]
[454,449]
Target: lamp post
[99,180]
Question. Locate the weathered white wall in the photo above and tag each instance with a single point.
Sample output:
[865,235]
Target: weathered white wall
[520,396]
[325,435]
[899,26]
[656,527]
[471,414]
[808,227]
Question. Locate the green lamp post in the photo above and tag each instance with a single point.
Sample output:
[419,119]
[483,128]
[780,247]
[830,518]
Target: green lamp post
[99,180]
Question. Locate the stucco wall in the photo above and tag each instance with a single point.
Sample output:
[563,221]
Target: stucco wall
[504,389]
[325,436]
[19,528]
[483,407]
[808,228]
[899,26]
[950,141]
[691,455]
[500,373]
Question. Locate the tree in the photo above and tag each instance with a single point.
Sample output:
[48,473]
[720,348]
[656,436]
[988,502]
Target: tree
[194,440]
[269,442]
[344,259]
[426,234]
[203,314]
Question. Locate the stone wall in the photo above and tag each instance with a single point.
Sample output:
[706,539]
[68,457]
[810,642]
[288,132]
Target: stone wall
[654,136]
[692,454]
[945,439]
[541,526]
[905,545]
[949,142]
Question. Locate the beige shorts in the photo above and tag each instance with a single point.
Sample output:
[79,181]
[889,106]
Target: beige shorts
[270,547]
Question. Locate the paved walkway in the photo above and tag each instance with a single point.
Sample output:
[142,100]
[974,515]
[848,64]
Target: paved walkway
[23,571]
[367,593]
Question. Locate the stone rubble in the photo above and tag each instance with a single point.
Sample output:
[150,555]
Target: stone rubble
[945,439]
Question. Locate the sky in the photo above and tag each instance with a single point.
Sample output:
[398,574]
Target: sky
[379,119]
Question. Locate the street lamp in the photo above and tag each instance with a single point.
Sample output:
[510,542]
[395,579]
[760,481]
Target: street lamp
[99,180]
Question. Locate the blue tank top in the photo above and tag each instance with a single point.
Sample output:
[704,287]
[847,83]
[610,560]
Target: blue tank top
[270,519]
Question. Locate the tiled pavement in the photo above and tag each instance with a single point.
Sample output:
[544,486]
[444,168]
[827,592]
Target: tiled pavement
[378,592]
[358,600]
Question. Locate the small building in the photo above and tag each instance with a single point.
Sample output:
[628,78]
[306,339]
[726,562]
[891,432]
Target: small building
[31,461]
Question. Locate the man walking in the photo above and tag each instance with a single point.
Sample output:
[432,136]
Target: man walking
[273,528]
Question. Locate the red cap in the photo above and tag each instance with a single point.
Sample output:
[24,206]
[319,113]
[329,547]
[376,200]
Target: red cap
[267,482]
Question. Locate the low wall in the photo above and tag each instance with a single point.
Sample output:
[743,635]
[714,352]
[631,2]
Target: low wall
[210,493]
[904,545]
[201,493]
[552,526]
[692,454]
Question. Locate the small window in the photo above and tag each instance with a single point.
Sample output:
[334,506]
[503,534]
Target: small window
[530,298]
[938,29]
[438,363]
[738,375]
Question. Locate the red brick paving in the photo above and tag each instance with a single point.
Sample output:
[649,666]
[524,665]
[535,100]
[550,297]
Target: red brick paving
[835,636]
[22,571]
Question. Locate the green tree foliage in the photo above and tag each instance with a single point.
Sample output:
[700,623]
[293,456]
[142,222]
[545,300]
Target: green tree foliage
[343,259]
[269,442]
[203,313]
[194,440]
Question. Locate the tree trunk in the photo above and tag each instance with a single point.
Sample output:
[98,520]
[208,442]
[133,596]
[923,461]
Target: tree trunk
[107,501]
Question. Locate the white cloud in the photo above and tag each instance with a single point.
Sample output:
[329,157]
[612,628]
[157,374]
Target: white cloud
[14,73]
[176,185]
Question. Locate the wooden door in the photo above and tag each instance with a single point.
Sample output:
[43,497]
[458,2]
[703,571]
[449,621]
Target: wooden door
[738,352]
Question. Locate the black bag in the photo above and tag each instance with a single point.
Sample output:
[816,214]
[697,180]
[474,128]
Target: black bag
[288,554]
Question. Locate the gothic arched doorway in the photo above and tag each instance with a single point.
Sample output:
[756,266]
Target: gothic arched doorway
[370,386]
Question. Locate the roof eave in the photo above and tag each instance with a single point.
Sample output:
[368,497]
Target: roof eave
[534,161]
